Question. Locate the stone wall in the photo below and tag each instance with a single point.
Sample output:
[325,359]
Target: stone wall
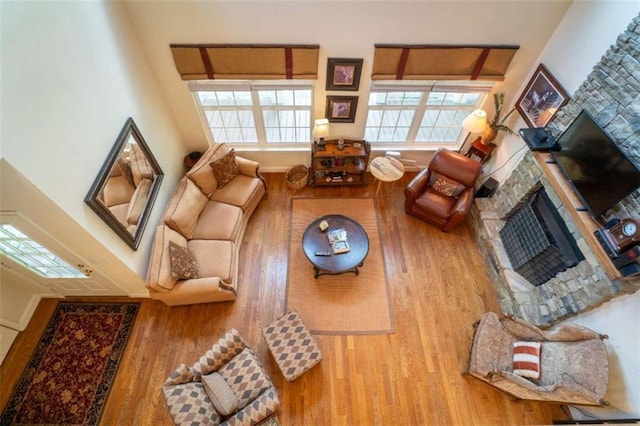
[611,94]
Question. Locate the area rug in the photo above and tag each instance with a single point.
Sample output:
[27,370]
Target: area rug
[346,303]
[69,376]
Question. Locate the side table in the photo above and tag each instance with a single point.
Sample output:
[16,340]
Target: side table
[386,169]
[480,152]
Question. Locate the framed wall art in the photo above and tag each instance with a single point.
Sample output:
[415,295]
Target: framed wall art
[541,99]
[343,73]
[341,109]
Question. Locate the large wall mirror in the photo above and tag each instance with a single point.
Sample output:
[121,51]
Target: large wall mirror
[127,185]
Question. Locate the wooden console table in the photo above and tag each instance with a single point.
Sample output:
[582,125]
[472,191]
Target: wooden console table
[585,223]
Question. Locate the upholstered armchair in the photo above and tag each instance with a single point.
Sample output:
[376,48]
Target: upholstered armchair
[442,194]
[227,385]
[571,363]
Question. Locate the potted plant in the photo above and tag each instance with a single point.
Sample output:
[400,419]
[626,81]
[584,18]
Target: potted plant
[497,123]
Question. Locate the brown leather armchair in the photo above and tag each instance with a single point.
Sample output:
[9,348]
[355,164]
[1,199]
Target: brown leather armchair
[442,194]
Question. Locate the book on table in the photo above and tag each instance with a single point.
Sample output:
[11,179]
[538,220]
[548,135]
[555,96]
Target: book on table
[338,240]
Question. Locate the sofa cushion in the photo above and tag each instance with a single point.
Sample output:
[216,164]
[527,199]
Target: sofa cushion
[184,208]
[225,168]
[245,376]
[159,276]
[240,192]
[183,263]
[202,173]
[190,405]
[117,190]
[214,258]
[140,167]
[220,394]
[526,359]
[138,201]
[218,221]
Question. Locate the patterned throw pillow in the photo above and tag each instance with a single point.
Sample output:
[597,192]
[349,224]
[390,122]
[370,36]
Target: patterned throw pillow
[526,359]
[245,376]
[183,263]
[445,186]
[225,168]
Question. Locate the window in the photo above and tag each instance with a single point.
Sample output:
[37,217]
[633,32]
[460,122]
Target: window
[422,115]
[22,249]
[254,113]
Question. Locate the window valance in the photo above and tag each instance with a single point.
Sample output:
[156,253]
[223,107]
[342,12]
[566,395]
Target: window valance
[245,61]
[441,62]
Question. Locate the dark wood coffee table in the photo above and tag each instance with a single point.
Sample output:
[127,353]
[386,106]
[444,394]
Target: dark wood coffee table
[315,240]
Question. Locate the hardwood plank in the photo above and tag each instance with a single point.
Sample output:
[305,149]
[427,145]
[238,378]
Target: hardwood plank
[439,287]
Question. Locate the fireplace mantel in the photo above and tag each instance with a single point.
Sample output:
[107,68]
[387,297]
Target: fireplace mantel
[585,223]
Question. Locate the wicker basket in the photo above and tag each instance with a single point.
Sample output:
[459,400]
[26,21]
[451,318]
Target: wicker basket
[297,176]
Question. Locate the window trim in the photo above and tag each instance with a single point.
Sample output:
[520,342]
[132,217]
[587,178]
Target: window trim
[254,86]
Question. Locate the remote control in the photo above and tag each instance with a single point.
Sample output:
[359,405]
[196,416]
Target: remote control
[323,253]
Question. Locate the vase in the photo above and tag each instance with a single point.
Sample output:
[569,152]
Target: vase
[489,135]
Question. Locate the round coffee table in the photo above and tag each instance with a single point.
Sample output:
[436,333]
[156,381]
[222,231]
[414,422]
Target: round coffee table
[314,240]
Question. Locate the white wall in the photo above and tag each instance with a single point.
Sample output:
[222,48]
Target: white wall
[72,72]
[342,29]
[588,29]
[619,319]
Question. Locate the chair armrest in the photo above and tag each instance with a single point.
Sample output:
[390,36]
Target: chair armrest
[259,409]
[571,333]
[415,187]
[460,209]
[559,392]
[223,351]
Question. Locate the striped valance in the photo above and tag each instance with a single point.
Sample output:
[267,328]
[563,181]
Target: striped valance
[441,62]
[245,61]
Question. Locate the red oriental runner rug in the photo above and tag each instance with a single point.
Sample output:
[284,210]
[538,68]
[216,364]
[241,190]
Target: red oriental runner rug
[69,376]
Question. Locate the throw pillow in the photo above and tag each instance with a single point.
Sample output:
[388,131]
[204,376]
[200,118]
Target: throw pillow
[183,263]
[445,186]
[225,168]
[526,359]
[220,394]
[245,376]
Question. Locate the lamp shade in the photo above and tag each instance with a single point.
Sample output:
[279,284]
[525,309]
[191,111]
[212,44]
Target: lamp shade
[321,128]
[475,122]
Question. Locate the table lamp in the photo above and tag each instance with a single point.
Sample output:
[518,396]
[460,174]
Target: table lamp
[476,122]
[320,131]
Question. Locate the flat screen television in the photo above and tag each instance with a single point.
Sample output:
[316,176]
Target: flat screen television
[599,171]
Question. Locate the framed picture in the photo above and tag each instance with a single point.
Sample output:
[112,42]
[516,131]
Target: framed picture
[541,99]
[343,73]
[341,109]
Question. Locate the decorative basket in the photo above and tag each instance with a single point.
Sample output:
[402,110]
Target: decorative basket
[297,176]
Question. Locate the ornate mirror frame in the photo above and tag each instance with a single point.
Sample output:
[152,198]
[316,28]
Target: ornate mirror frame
[126,187]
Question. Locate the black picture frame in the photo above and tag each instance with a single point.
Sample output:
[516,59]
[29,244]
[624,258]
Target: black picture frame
[341,109]
[541,99]
[129,135]
[343,73]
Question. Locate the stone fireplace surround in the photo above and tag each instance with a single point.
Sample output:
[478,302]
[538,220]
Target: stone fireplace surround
[611,94]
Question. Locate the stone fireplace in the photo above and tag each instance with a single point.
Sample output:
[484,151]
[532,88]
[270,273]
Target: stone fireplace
[537,242]
[611,94]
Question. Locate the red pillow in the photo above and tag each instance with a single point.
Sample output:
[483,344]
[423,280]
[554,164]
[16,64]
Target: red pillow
[526,359]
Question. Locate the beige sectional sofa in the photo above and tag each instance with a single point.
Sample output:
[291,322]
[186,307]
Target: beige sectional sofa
[208,218]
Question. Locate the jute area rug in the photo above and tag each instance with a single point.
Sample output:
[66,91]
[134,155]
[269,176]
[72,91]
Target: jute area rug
[69,376]
[346,303]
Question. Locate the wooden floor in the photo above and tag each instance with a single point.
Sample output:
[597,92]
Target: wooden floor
[439,287]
